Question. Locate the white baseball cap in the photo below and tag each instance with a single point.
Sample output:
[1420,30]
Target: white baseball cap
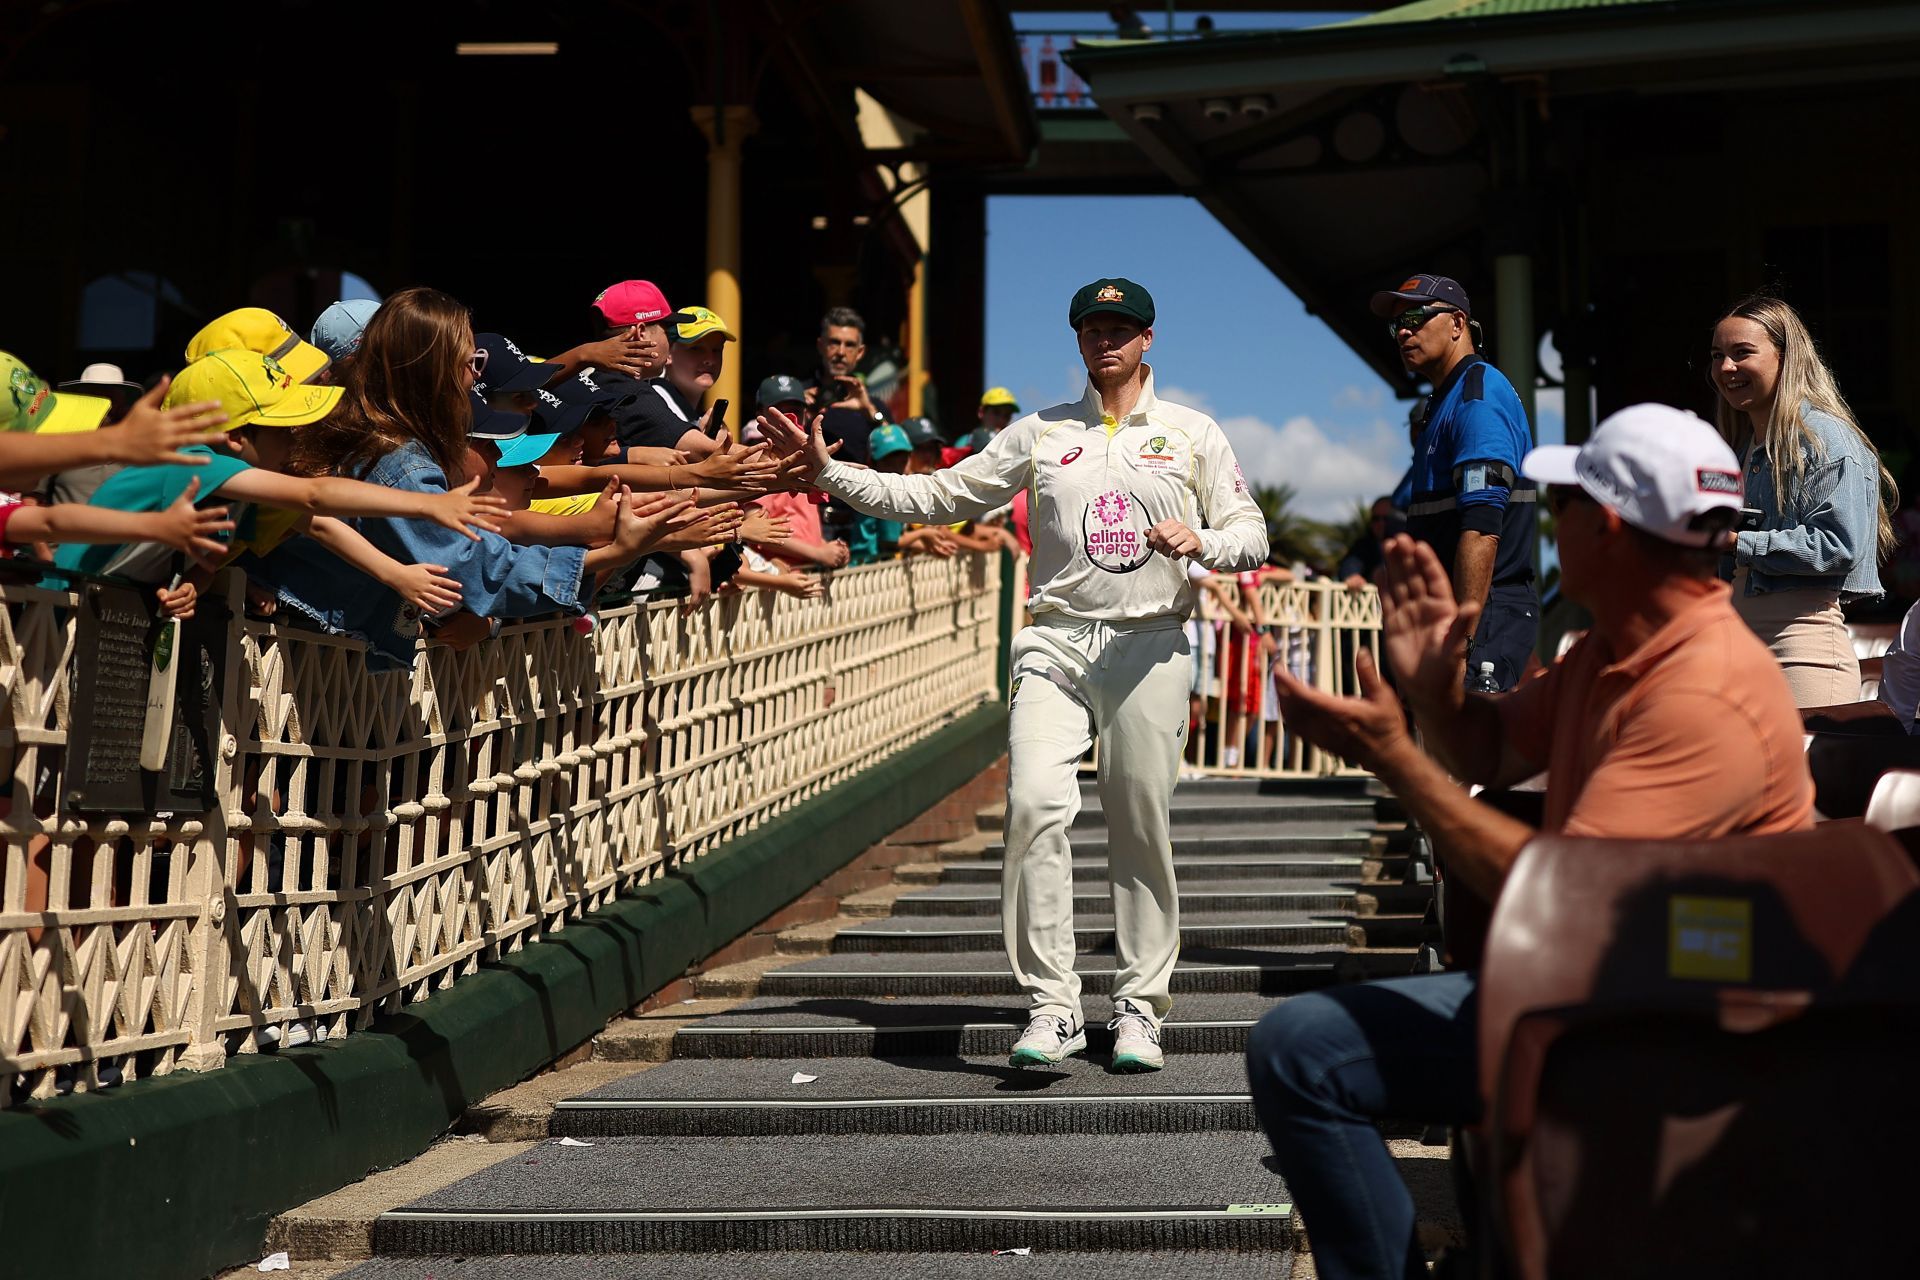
[1657,467]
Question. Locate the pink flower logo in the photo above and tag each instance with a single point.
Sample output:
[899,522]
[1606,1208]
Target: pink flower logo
[1111,508]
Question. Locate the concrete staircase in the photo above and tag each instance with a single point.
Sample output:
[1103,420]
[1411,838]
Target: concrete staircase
[856,1115]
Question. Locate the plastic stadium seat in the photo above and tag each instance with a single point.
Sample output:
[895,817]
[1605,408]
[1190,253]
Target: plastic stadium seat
[1848,748]
[1692,1055]
[1895,805]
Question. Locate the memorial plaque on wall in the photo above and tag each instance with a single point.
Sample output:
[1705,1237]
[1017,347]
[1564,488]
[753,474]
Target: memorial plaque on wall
[113,658]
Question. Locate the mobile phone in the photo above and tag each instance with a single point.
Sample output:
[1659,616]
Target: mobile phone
[1751,517]
[717,420]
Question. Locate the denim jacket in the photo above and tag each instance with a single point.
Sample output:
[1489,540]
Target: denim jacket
[498,579]
[1826,538]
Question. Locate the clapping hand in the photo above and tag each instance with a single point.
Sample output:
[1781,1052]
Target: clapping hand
[1425,630]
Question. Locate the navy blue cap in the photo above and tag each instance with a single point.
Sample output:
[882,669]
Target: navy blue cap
[1417,289]
[508,367]
[560,416]
[490,423]
[583,388]
[922,432]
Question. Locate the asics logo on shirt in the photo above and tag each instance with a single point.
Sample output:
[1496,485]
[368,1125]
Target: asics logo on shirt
[1070,455]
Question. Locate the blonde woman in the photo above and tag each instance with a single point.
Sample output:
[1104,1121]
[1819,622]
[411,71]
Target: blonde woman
[1818,499]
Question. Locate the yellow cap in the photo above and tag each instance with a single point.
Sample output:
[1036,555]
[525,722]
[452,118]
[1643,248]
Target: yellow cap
[31,405]
[252,388]
[699,323]
[999,397]
[258,330]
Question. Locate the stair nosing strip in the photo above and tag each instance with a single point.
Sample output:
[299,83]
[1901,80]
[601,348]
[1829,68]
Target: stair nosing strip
[774,1215]
[827,1104]
[904,1027]
[815,974]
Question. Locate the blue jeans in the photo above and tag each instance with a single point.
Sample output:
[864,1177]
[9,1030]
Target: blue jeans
[1323,1068]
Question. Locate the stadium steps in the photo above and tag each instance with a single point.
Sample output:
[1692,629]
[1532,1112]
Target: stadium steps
[857,1115]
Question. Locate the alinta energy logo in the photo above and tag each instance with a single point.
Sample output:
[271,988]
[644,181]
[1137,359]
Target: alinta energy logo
[1114,530]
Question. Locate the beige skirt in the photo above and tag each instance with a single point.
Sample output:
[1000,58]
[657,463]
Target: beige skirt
[1808,636]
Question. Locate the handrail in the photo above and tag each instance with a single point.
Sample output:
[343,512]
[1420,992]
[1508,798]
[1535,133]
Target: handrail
[374,838]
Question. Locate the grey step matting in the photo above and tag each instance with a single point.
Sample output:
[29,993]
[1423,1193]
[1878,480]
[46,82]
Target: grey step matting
[1048,1263]
[1259,837]
[1221,866]
[1277,896]
[932,1096]
[1327,813]
[772,1026]
[859,1192]
[1274,970]
[1095,932]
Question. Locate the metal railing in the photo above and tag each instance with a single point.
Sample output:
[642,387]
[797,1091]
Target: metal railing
[373,838]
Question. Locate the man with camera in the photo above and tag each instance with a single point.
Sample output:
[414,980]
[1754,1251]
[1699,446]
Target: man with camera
[851,413]
[1469,501]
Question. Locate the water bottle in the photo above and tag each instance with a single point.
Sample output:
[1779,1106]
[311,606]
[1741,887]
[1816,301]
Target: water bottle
[1483,680]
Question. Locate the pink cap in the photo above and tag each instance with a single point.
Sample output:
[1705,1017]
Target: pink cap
[634,302]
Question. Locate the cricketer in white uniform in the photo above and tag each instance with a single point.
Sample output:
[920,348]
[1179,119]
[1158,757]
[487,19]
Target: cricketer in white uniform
[1124,489]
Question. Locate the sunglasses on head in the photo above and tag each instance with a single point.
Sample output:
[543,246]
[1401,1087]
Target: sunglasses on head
[478,362]
[1415,317]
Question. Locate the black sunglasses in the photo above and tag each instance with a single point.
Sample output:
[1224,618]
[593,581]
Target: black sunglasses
[1415,317]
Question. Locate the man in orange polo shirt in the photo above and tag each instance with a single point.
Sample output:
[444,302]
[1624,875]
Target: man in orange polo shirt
[1668,720]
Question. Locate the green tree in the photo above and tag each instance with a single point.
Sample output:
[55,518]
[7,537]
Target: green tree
[1290,535]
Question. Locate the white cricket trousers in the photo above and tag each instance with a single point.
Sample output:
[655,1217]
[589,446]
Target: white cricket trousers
[1127,683]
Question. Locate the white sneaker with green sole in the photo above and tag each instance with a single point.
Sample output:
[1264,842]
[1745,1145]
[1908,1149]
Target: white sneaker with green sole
[1136,1039]
[1046,1041]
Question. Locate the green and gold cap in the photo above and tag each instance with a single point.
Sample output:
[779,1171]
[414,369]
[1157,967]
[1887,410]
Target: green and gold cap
[1120,296]
[29,404]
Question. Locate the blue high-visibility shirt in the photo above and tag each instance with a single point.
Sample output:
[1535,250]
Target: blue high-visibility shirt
[1466,470]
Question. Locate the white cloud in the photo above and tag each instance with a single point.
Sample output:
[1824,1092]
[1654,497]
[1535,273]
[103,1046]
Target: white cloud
[1329,476]
[1353,397]
[1330,467]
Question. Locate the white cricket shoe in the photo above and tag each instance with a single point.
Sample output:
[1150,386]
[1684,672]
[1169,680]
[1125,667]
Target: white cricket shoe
[1136,1039]
[1046,1041]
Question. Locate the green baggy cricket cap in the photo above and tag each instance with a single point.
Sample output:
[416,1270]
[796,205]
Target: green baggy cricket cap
[1120,296]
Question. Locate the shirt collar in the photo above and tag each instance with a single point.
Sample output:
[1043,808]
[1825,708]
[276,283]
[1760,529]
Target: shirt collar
[1147,403]
[1708,609]
[1453,379]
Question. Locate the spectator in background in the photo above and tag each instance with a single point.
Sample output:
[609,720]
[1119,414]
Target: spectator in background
[1469,500]
[838,387]
[1821,503]
[43,432]
[998,409]
[807,543]
[698,353]
[337,330]
[244,468]
[1645,510]
[106,382]
[1900,673]
[633,315]
[403,424]
[928,441]
[509,377]
[1364,557]
[260,331]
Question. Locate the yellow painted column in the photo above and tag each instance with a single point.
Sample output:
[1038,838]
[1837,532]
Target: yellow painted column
[917,340]
[726,128]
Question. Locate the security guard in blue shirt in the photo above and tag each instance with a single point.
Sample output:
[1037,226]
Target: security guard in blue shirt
[1469,500]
